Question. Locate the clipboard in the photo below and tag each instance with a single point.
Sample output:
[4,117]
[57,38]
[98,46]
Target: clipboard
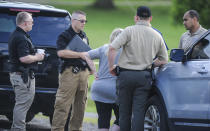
[78,45]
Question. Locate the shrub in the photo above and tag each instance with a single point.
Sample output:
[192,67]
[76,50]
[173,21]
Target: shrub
[202,6]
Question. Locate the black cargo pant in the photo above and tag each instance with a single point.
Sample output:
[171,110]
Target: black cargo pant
[134,87]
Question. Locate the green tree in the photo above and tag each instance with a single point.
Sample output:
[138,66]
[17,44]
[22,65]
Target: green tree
[202,6]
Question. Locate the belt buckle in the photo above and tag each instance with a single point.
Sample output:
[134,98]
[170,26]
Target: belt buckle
[18,73]
[32,75]
[75,69]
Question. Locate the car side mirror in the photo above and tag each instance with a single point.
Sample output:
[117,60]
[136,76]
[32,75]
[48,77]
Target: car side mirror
[177,55]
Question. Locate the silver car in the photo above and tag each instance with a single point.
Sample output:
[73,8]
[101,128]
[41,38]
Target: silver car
[180,99]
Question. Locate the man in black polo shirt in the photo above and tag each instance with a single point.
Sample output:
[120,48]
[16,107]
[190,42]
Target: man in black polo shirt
[22,57]
[73,78]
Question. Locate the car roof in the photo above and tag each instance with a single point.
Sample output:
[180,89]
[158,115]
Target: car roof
[35,6]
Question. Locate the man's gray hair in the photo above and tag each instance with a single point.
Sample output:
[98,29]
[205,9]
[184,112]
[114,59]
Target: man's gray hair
[21,17]
[115,33]
[76,13]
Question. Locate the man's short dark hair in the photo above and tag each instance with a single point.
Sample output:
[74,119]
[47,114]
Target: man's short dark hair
[193,13]
[143,12]
[79,12]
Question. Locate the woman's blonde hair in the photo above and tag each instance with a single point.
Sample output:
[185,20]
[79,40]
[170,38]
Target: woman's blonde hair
[115,33]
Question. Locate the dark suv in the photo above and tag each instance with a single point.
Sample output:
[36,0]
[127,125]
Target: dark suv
[49,22]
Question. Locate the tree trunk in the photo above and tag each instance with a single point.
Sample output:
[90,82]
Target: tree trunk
[105,4]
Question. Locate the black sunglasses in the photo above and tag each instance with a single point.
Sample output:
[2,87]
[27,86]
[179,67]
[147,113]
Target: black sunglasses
[82,21]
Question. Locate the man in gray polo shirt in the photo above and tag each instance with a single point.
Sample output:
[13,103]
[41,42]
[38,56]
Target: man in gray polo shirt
[141,44]
[195,30]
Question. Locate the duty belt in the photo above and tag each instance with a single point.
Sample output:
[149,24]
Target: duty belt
[123,69]
[76,69]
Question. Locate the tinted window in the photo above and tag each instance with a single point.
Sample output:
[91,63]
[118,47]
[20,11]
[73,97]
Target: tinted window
[45,30]
[202,49]
[207,45]
[7,25]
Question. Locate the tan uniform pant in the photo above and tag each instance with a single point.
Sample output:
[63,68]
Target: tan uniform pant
[72,91]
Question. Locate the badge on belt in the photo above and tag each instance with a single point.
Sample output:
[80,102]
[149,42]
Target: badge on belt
[75,69]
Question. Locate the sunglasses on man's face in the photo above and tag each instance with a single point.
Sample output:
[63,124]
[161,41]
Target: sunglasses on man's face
[81,21]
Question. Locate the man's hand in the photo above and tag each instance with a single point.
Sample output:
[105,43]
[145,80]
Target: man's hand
[83,55]
[32,58]
[112,70]
[159,63]
[39,56]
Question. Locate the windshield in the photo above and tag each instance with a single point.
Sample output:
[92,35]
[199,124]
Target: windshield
[45,29]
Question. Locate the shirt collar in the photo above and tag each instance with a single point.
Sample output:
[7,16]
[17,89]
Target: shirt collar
[143,22]
[22,31]
[72,30]
[195,33]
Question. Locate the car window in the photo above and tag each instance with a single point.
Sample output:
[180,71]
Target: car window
[45,30]
[202,49]
[207,47]
[7,25]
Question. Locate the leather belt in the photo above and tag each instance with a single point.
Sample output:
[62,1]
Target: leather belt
[123,69]
[76,69]
[18,73]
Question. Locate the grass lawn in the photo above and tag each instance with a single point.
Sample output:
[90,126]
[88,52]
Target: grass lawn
[113,0]
[102,22]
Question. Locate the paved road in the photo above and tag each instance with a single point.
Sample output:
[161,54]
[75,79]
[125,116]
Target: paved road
[39,123]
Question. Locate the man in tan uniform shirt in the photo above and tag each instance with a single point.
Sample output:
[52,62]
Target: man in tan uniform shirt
[141,44]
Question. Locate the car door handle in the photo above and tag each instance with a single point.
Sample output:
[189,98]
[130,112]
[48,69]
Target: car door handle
[202,71]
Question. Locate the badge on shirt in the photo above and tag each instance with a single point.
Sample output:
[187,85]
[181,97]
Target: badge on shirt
[85,40]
